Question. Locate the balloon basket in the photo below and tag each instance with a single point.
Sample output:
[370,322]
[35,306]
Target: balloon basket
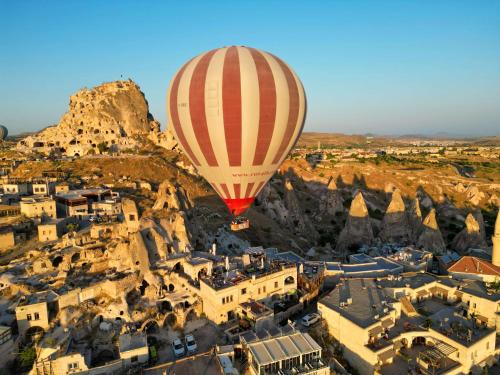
[240,223]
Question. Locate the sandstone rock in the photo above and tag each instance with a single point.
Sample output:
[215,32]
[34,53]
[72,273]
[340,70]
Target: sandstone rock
[167,197]
[296,220]
[395,228]
[178,234]
[472,236]
[331,200]
[115,114]
[431,238]
[415,221]
[474,195]
[357,230]
[272,205]
[131,214]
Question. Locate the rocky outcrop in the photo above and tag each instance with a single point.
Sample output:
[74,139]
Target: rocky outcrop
[472,236]
[415,221]
[295,218]
[167,197]
[394,227]
[331,200]
[272,204]
[431,238]
[474,195]
[113,116]
[358,229]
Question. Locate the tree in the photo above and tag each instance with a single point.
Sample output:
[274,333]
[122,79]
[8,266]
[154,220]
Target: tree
[102,147]
[27,356]
[71,227]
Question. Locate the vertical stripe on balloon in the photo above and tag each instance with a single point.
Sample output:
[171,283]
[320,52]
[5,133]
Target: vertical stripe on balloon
[237,191]
[197,108]
[174,112]
[226,191]
[231,105]
[293,111]
[267,110]
[248,191]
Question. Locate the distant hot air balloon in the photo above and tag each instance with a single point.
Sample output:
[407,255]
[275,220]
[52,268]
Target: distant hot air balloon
[3,132]
[236,113]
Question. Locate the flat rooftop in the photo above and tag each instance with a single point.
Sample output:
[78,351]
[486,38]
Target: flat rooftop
[45,296]
[221,280]
[129,341]
[363,302]
[451,323]
[409,280]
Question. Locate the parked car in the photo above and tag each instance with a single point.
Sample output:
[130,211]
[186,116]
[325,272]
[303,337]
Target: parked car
[178,348]
[310,319]
[190,344]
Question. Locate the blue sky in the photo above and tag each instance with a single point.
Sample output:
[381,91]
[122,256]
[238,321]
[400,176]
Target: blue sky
[386,67]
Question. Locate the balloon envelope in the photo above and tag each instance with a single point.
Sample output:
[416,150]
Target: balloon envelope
[236,113]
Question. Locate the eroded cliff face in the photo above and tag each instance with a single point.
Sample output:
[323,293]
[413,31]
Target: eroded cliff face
[395,227]
[431,238]
[358,229]
[114,115]
[472,236]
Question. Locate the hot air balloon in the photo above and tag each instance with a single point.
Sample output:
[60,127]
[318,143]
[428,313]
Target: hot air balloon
[236,113]
[3,132]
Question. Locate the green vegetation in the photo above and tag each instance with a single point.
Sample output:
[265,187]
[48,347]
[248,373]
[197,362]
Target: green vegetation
[102,147]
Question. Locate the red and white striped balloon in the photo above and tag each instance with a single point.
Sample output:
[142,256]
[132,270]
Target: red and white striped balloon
[236,113]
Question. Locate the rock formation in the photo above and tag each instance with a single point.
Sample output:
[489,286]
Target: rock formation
[415,221]
[331,200]
[474,195]
[431,238]
[395,228]
[167,197]
[114,116]
[296,220]
[358,229]
[471,237]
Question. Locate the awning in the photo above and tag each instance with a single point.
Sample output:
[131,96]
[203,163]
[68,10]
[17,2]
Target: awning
[482,318]
[422,293]
[387,323]
[437,289]
[375,331]
[385,356]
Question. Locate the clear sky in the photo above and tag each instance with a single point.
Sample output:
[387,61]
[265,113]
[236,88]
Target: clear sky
[386,67]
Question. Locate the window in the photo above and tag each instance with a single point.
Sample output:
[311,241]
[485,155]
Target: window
[244,291]
[263,289]
[223,300]
[275,284]
[258,291]
[72,366]
[134,359]
[28,317]
[131,217]
[487,345]
[37,316]
[231,297]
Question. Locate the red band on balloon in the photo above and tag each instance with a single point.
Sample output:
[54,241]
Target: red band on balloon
[238,206]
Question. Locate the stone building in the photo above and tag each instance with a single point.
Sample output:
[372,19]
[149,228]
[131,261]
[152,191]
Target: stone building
[222,294]
[38,207]
[34,313]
